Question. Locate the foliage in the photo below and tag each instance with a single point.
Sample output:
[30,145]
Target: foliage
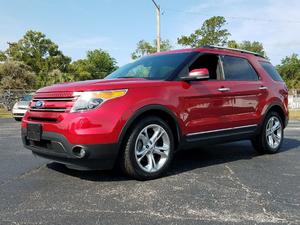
[290,71]
[40,54]
[56,76]
[97,65]
[16,75]
[254,46]
[35,60]
[2,56]
[145,48]
[211,33]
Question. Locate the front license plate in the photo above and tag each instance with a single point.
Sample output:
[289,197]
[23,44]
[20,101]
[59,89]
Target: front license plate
[34,131]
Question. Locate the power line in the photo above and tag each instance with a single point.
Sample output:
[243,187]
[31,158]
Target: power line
[233,17]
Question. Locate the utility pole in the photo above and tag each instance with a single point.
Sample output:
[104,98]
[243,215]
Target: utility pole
[157,25]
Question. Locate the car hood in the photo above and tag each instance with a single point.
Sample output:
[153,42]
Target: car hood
[22,103]
[95,85]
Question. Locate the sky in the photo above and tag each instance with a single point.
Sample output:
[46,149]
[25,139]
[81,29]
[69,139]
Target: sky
[116,26]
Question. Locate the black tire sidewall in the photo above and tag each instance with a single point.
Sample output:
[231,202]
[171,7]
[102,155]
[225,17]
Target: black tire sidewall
[141,174]
[266,146]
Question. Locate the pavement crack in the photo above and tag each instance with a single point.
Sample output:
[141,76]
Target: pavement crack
[28,173]
[256,196]
[233,177]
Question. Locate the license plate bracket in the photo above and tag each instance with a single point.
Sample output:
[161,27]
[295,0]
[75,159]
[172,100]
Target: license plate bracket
[34,131]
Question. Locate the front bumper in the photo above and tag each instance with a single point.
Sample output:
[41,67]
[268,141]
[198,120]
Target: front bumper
[18,113]
[56,147]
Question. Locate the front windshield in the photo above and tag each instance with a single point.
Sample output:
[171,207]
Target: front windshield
[26,98]
[155,67]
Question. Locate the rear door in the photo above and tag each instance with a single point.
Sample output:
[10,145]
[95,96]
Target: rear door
[247,89]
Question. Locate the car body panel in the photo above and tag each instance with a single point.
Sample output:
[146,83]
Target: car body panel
[198,107]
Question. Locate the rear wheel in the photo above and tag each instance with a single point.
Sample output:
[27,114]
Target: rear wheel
[18,119]
[149,149]
[271,136]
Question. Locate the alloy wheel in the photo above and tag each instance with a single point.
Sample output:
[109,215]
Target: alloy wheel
[274,132]
[152,148]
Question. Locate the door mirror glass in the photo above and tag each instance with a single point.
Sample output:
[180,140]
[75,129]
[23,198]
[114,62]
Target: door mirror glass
[197,74]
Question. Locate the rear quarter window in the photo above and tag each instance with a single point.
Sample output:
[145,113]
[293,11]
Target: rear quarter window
[271,71]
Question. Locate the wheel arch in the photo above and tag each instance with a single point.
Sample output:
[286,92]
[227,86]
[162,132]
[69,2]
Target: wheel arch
[277,107]
[153,110]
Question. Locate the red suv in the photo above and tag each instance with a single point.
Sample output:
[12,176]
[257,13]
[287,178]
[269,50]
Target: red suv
[141,114]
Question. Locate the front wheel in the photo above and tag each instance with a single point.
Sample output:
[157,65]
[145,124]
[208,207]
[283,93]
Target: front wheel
[271,136]
[149,149]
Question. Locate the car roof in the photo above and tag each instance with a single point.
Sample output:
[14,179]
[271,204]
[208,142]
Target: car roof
[217,50]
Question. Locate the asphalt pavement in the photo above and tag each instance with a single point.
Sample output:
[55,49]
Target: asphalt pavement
[221,184]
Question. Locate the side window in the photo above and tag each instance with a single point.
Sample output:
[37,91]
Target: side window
[271,71]
[238,69]
[210,62]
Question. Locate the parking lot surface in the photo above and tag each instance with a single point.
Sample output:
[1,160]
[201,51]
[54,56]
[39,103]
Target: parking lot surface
[222,184]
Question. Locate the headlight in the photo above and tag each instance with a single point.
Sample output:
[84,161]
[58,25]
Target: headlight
[92,99]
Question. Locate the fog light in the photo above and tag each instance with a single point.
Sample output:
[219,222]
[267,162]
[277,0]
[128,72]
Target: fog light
[79,152]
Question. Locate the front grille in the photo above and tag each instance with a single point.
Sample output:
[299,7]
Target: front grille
[44,119]
[57,102]
[47,146]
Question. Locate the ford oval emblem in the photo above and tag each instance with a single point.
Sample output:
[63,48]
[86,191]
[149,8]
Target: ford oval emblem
[39,104]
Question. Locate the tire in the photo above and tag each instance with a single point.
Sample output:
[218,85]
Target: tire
[263,142]
[18,119]
[141,148]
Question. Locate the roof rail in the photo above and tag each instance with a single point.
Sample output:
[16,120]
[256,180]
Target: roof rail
[233,49]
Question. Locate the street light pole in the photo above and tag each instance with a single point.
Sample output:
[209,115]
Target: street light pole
[157,25]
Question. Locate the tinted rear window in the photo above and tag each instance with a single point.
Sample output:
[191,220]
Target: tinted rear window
[270,69]
[238,69]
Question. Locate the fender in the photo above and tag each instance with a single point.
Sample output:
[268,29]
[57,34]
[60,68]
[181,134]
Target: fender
[144,109]
[267,109]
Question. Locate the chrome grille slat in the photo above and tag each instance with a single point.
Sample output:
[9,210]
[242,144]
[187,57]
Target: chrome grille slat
[47,110]
[54,99]
[53,102]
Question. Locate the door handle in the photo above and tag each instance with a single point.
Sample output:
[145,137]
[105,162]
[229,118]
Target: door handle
[263,88]
[223,89]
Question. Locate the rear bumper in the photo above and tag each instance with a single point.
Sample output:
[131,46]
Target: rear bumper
[56,147]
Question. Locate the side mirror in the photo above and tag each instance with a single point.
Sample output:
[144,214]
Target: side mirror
[197,74]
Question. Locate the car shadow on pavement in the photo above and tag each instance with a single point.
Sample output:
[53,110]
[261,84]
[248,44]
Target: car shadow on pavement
[185,160]
[219,154]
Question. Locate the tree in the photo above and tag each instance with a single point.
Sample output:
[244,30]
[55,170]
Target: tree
[56,76]
[16,75]
[145,48]
[2,56]
[289,69]
[97,65]
[254,46]
[211,33]
[39,53]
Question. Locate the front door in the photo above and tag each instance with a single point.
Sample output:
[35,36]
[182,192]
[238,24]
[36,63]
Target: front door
[207,103]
